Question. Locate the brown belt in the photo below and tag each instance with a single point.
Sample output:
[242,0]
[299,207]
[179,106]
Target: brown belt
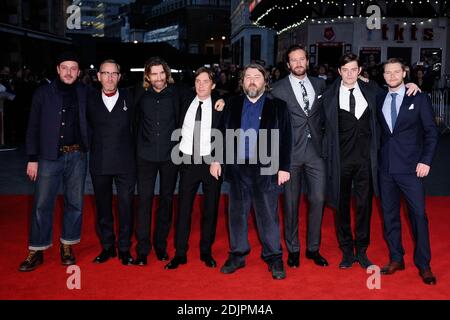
[72,148]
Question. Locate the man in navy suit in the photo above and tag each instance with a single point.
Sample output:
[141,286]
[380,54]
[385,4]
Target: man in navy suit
[112,160]
[408,141]
[56,144]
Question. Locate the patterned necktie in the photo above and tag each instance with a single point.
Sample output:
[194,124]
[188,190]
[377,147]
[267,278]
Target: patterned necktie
[305,98]
[197,126]
[352,103]
[393,109]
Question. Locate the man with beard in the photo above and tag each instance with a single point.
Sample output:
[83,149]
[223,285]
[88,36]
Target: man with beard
[258,121]
[157,104]
[302,95]
[56,144]
[112,161]
[408,141]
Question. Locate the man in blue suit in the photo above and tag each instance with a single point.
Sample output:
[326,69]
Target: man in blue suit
[408,141]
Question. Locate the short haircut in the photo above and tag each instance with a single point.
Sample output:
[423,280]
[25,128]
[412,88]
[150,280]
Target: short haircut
[347,58]
[152,62]
[109,61]
[395,60]
[206,70]
[295,47]
[260,68]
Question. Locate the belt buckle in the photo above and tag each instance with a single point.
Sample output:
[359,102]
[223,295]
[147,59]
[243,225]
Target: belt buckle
[66,149]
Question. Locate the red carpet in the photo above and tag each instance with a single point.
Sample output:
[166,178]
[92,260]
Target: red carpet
[195,281]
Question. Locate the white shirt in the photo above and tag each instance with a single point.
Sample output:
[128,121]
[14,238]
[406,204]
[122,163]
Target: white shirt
[344,100]
[187,131]
[110,102]
[295,83]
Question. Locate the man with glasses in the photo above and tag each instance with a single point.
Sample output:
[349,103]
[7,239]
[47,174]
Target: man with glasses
[112,160]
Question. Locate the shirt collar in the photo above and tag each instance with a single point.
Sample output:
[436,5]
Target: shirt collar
[356,87]
[297,80]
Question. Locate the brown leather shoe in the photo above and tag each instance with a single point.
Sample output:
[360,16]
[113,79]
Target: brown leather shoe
[427,276]
[392,267]
[67,256]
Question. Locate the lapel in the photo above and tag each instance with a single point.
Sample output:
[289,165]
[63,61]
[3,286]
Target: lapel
[407,100]
[215,115]
[291,99]
[266,114]
[316,92]
[236,112]
[381,117]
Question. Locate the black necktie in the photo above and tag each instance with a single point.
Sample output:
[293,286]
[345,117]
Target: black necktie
[197,126]
[352,101]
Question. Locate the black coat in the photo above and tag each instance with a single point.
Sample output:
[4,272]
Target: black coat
[330,102]
[274,115]
[112,143]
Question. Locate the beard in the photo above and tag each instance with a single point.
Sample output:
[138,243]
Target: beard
[394,84]
[299,71]
[253,91]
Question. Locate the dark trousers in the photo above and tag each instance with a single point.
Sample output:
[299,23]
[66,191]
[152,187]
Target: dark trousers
[313,170]
[191,175]
[243,194]
[125,184]
[392,186]
[146,178]
[358,174]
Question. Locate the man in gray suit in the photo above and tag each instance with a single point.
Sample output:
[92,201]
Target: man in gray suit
[302,94]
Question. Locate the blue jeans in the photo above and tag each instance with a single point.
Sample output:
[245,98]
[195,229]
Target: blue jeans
[70,169]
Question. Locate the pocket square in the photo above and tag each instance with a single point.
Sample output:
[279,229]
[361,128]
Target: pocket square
[411,107]
[318,97]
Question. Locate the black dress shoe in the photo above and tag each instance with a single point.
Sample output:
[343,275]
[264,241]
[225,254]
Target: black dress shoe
[34,259]
[427,276]
[141,260]
[293,259]
[67,256]
[231,265]
[317,258]
[175,262]
[105,255]
[277,269]
[162,255]
[208,260]
[363,260]
[126,258]
[347,261]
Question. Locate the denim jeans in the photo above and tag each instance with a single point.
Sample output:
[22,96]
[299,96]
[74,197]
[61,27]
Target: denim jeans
[70,170]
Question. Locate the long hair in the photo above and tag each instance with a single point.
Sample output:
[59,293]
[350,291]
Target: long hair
[155,61]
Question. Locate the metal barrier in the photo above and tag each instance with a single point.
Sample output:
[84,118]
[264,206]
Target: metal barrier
[441,105]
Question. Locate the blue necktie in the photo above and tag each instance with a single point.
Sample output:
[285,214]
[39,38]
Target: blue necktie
[393,110]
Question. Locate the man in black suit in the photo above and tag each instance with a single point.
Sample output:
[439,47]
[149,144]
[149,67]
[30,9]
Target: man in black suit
[258,155]
[112,160]
[408,141]
[157,102]
[199,119]
[352,136]
[302,95]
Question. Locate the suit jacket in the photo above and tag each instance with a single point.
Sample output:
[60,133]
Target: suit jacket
[274,115]
[331,107]
[413,139]
[282,89]
[44,123]
[112,142]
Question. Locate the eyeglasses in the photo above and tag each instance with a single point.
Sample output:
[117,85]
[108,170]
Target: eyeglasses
[109,74]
